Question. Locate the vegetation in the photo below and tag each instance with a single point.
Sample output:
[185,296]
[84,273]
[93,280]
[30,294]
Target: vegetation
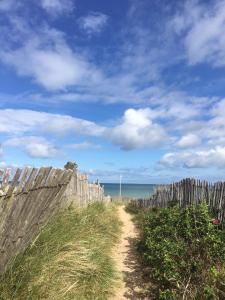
[184,253]
[70,259]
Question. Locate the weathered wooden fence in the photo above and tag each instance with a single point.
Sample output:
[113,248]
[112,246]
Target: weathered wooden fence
[31,197]
[187,191]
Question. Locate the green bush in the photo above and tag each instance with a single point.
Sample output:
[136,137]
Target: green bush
[185,253]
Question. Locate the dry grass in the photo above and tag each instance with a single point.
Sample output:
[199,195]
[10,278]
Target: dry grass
[71,258]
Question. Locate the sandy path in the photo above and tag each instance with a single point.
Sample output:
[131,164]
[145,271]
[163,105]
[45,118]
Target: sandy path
[125,256]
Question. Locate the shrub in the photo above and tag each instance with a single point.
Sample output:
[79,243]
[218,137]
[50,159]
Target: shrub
[185,252]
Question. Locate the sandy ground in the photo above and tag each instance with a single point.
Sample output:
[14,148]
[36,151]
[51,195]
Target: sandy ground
[125,256]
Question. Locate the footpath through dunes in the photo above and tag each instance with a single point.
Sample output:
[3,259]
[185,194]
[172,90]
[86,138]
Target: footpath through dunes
[132,284]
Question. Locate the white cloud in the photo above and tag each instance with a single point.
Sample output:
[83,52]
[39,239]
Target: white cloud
[169,160]
[13,121]
[212,129]
[10,5]
[57,6]
[35,147]
[137,131]
[47,58]
[218,109]
[189,140]
[94,22]
[201,26]
[209,158]
[41,150]
[3,164]
[16,121]
[55,64]
[84,146]
[139,128]
[63,124]
[6,5]
[181,110]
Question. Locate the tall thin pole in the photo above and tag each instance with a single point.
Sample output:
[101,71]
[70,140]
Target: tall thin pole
[120,186]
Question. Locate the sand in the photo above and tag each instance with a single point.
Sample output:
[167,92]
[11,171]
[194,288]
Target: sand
[131,285]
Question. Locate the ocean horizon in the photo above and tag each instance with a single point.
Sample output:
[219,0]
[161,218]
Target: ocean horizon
[133,190]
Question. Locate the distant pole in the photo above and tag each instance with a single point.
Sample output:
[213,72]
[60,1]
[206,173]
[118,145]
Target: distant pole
[120,186]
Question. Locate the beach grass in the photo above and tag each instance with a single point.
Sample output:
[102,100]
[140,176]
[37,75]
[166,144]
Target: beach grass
[70,259]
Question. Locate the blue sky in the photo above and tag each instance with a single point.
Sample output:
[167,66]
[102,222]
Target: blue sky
[126,87]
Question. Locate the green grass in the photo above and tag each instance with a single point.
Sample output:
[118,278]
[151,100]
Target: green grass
[70,259]
[184,254]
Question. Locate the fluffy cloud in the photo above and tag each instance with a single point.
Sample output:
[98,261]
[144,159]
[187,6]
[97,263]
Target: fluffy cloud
[57,6]
[50,61]
[137,131]
[84,146]
[44,55]
[189,140]
[55,64]
[3,164]
[13,121]
[138,128]
[201,25]
[94,22]
[219,108]
[205,40]
[6,5]
[35,147]
[209,158]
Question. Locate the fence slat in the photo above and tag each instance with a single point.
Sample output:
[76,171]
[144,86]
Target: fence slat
[188,191]
[31,197]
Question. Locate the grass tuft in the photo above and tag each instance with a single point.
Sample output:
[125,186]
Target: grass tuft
[70,259]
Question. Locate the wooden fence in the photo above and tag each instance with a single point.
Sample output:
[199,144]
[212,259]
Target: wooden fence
[186,192]
[31,197]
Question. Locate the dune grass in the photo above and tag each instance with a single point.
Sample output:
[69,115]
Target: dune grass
[70,259]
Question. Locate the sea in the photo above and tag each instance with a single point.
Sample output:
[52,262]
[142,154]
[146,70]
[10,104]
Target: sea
[129,190]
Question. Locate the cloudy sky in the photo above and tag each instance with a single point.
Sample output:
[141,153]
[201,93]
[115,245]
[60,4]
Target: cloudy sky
[131,87]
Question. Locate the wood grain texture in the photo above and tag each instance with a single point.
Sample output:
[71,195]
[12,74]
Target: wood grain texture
[31,197]
[187,192]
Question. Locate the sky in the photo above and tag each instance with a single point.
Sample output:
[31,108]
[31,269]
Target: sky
[125,87]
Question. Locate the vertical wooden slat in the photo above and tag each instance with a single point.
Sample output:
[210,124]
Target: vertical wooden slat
[1,177]
[5,179]
[14,181]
